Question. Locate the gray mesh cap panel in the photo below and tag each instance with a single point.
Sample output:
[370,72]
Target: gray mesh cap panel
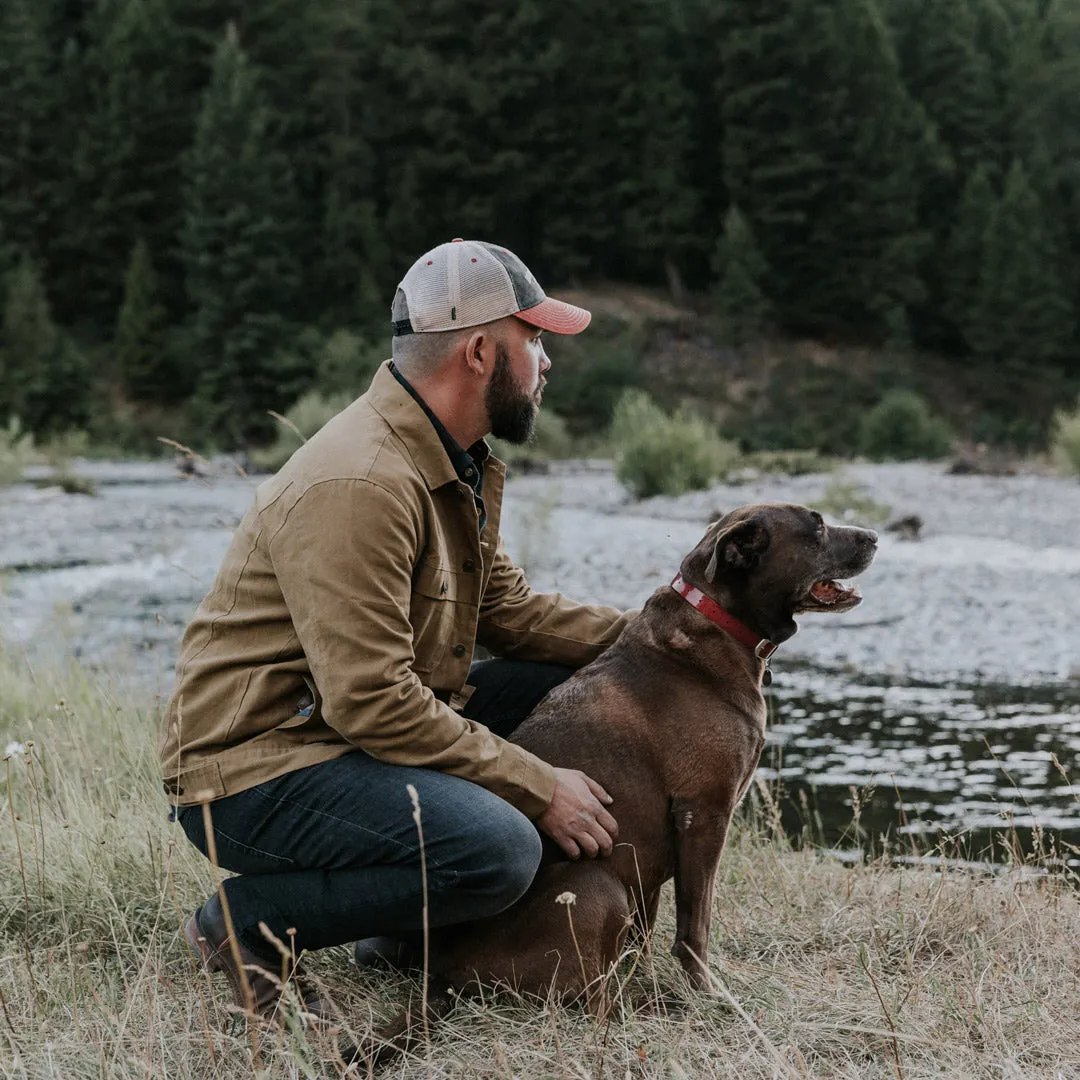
[526,287]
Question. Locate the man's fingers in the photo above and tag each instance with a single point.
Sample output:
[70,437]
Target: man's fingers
[589,845]
[607,823]
[577,819]
[594,839]
[604,845]
[569,845]
[598,791]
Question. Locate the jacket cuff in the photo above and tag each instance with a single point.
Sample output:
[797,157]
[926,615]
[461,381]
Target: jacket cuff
[536,787]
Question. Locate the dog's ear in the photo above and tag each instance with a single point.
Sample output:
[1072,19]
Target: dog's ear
[738,547]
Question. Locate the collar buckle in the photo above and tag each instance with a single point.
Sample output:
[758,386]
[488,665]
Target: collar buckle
[765,649]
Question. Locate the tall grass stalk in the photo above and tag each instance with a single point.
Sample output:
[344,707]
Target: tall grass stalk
[820,966]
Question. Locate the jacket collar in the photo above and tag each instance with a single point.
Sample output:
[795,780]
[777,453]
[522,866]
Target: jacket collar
[410,423]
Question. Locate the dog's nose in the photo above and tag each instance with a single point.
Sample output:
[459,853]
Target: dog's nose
[870,536]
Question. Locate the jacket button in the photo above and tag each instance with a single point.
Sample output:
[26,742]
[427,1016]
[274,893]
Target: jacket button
[459,650]
[468,566]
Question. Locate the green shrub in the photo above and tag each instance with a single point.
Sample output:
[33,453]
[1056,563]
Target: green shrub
[305,417]
[658,454]
[68,482]
[788,462]
[589,376]
[58,450]
[901,427]
[347,363]
[128,429]
[1065,439]
[805,406]
[851,502]
[16,449]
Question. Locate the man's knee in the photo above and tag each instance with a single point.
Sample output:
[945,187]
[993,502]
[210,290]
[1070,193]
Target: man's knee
[506,857]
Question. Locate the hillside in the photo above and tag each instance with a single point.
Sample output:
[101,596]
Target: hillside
[783,392]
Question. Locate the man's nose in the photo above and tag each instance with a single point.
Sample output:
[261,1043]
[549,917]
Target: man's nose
[545,360]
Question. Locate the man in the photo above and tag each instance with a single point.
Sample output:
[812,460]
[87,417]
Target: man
[329,665]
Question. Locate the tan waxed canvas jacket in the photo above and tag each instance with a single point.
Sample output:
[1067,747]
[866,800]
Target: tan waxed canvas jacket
[345,613]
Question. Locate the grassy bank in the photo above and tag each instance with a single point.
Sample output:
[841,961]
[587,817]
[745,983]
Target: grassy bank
[821,969]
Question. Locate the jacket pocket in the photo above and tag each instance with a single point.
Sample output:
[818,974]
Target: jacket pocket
[308,708]
[432,612]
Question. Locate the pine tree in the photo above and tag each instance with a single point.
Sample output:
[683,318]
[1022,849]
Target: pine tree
[284,44]
[824,151]
[741,272]
[44,380]
[773,168]
[139,344]
[490,119]
[949,72]
[356,269]
[652,135]
[946,71]
[611,183]
[237,249]
[1045,111]
[125,175]
[998,24]
[881,148]
[457,111]
[697,27]
[962,265]
[1023,309]
[30,161]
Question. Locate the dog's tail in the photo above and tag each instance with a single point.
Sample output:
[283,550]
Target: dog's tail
[402,1033]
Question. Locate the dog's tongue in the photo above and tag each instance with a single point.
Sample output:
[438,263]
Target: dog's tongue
[831,592]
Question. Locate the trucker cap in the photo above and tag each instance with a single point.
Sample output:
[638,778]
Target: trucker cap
[469,282]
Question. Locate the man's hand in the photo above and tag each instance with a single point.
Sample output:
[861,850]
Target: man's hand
[576,819]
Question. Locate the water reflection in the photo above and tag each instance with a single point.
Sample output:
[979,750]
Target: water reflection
[973,767]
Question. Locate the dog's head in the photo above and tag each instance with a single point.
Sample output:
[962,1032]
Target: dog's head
[769,562]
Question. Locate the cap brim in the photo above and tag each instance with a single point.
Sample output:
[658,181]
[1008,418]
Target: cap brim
[556,316]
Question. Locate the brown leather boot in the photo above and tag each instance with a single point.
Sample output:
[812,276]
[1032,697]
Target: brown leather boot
[388,954]
[208,938]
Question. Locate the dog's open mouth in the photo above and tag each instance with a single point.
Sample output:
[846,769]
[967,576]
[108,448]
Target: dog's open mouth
[831,595]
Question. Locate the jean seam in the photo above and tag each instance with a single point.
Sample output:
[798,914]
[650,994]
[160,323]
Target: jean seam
[254,850]
[431,863]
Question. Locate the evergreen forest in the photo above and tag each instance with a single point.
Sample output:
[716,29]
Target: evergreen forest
[205,205]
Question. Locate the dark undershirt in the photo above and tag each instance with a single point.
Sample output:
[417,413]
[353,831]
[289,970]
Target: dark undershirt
[468,464]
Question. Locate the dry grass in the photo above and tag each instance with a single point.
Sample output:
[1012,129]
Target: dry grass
[821,969]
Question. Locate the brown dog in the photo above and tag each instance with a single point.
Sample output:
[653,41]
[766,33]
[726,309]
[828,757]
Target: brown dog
[671,721]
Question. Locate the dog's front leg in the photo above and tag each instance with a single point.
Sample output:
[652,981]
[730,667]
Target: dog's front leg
[700,831]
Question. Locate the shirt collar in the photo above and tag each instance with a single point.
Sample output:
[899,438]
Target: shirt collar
[468,464]
[409,422]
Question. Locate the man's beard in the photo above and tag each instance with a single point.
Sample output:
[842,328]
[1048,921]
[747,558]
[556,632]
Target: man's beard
[511,408]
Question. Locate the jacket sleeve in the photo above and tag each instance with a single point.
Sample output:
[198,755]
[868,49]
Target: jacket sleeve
[344,560]
[515,621]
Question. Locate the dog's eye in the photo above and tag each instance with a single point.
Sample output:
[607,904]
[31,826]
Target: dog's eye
[819,522]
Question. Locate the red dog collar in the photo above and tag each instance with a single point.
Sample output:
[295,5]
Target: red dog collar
[763,647]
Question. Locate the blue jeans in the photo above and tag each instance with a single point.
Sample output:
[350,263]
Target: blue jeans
[332,850]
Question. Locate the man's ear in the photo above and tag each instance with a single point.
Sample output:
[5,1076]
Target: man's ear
[738,547]
[477,348]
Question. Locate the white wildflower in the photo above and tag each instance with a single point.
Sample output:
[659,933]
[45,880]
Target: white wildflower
[14,749]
